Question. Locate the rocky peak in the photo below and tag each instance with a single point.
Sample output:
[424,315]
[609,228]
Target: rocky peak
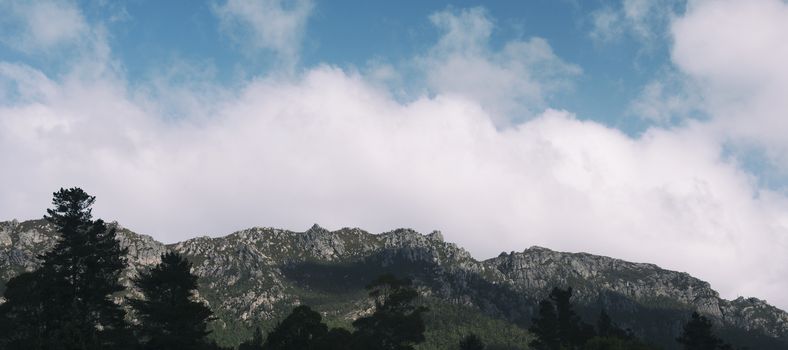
[538,269]
[316,229]
[536,248]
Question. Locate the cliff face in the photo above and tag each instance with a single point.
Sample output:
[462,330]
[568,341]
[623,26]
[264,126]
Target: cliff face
[256,275]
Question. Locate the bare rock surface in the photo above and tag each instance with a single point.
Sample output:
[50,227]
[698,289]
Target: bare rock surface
[245,275]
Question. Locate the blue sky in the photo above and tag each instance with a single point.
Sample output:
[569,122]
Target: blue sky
[351,34]
[146,37]
[627,128]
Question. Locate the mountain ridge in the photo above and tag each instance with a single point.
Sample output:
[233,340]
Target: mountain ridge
[254,275]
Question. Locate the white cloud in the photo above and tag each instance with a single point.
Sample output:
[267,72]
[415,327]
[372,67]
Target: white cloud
[643,20]
[275,25]
[640,12]
[41,25]
[670,98]
[512,83]
[729,66]
[335,147]
[736,52]
[329,147]
[606,24]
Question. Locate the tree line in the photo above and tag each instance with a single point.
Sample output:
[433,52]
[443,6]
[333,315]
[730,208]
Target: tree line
[395,324]
[558,327]
[72,302]
[69,302]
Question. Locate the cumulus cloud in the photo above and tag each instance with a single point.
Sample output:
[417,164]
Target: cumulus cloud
[736,52]
[336,147]
[41,25]
[275,25]
[512,83]
[331,148]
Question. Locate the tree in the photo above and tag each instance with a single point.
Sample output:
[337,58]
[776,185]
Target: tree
[170,317]
[70,297]
[615,343]
[545,328]
[557,326]
[335,339]
[606,328]
[21,316]
[256,343]
[85,268]
[698,335]
[300,330]
[471,342]
[397,322]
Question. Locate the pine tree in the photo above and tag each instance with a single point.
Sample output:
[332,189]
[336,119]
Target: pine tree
[299,330]
[85,266]
[573,331]
[21,316]
[335,339]
[397,323]
[256,343]
[698,334]
[471,342]
[557,326]
[545,328]
[605,327]
[72,302]
[170,318]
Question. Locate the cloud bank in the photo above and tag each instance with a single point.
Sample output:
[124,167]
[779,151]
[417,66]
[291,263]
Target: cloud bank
[334,146]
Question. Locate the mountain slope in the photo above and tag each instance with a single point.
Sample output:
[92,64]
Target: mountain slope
[254,276]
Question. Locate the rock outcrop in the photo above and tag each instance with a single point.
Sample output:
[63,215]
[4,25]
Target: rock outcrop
[256,274]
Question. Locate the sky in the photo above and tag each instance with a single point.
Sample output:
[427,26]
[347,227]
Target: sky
[652,131]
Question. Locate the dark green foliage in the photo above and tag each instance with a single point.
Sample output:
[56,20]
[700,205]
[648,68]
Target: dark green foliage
[604,325]
[85,268]
[70,297]
[170,318]
[21,315]
[256,343]
[605,328]
[557,326]
[698,334]
[397,322]
[571,329]
[471,342]
[446,325]
[545,328]
[335,339]
[300,330]
[615,343]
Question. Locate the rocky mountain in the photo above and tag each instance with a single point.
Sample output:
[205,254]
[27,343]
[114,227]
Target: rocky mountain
[254,277]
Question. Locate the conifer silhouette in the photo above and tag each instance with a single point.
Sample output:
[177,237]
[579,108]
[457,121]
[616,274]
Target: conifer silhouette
[471,342]
[698,334]
[397,322]
[69,299]
[170,317]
